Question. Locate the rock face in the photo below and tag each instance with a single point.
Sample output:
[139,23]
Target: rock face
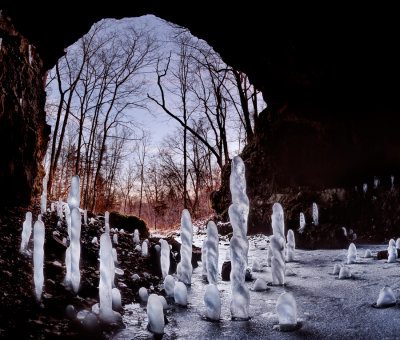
[24,133]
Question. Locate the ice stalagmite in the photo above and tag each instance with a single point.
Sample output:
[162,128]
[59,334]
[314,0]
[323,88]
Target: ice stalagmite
[26,232]
[75,248]
[180,294]
[239,245]
[43,198]
[107,222]
[398,243]
[85,217]
[290,246]
[212,252]
[73,199]
[392,251]
[145,249]
[212,302]
[106,274]
[165,258]
[59,209]
[386,297]
[365,188]
[155,314]
[185,268]
[315,215]
[136,237]
[115,239]
[169,285]
[278,245]
[38,255]
[287,310]
[351,254]
[302,223]
[204,259]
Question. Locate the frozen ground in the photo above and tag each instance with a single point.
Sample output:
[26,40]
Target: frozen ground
[327,307]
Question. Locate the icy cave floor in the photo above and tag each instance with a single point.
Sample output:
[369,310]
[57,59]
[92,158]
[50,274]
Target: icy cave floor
[326,306]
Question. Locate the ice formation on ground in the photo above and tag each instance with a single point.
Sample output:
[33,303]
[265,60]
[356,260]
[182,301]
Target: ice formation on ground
[392,253]
[145,249]
[392,244]
[169,285]
[114,255]
[212,253]
[286,309]
[315,215]
[239,245]
[38,257]
[278,260]
[116,299]
[26,232]
[107,222]
[143,294]
[165,257]
[43,198]
[336,269]
[302,223]
[256,267]
[368,253]
[180,294]
[344,273]
[365,188]
[386,297]
[136,237]
[204,259]
[290,246]
[115,238]
[106,275]
[155,314]
[95,241]
[184,268]
[351,254]
[75,246]
[260,285]
[212,302]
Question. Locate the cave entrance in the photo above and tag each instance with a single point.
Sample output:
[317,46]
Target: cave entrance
[148,116]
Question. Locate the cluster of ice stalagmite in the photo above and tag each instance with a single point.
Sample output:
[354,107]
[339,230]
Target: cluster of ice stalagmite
[315,215]
[38,256]
[165,257]
[106,278]
[302,223]
[351,254]
[43,198]
[184,269]
[212,298]
[386,297]
[277,245]
[204,259]
[107,222]
[287,310]
[290,246]
[26,232]
[136,237]
[239,245]
[155,314]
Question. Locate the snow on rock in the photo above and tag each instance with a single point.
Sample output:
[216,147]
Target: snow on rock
[239,245]
[115,238]
[116,299]
[169,285]
[260,285]
[38,258]
[180,294]
[336,269]
[212,302]
[136,237]
[75,248]
[95,241]
[351,254]
[368,254]
[26,232]
[155,314]
[386,297]
[315,214]
[344,273]
[212,253]
[145,249]
[287,310]
[143,294]
[204,259]
[302,223]
[43,198]
[184,268]
[165,257]
[290,246]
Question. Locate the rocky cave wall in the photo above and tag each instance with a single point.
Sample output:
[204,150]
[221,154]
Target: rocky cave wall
[330,82]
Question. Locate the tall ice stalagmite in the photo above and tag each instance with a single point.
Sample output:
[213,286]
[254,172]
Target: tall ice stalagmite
[239,245]
[38,256]
[185,268]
